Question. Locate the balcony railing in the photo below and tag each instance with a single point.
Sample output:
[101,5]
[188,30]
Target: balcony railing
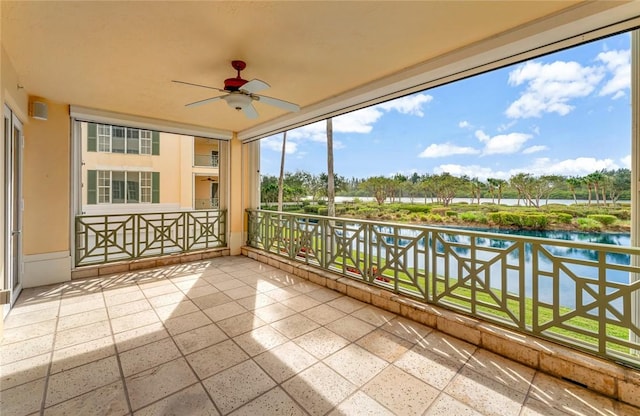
[116,237]
[579,294]
[206,160]
[206,203]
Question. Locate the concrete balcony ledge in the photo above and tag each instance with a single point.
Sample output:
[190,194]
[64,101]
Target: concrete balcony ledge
[605,377]
[104,269]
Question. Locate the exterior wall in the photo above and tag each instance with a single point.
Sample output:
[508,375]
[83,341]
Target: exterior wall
[47,192]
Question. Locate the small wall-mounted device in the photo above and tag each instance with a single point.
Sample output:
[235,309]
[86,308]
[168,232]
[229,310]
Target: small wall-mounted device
[39,110]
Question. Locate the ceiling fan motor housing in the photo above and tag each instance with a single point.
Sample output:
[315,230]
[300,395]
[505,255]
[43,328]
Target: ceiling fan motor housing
[234,84]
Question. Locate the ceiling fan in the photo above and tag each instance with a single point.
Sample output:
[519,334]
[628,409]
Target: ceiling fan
[241,93]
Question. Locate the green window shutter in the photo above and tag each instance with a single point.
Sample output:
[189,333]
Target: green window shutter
[155,143]
[155,187]
[92,138]
[92,185]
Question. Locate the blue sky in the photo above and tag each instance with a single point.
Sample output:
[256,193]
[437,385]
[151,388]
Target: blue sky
[568,113]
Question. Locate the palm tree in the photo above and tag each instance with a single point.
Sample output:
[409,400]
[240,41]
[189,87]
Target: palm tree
[500,184]
[281,179]
[574,182]
[331,187]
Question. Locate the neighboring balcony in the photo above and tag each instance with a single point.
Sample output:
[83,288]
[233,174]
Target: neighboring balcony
[206,203]
[206,160]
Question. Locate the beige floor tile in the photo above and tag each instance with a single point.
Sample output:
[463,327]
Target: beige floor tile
[295,325]
[258,301]
[25,332]
[346,304]
[318,389]
[82,319]
[162,288]
[176,309]
[136,320]
[199,338]
[484,394]
[428,366]
[401,392]
[356,364]
[241,292]
[158,382]
[501,370]
[282,293]
[192,401]
[123,309]
[24,371]
[25,349]
[240,324]
[285,361]
[167,299]
[147,356]
[304,287]
[406,329]
[209,301]
[117,297]
[266,284]
[533,407]
[80,305]
[300,303]
[446,405]
[79,380]
[24,399]
[218,357]
[568,397]
[273,312]
[323,314]
[82,334]
[361,404]
[81,354]
[229,284]
[384,345]
[321,342]
[324,295]
[200,290]
[374,316]
[448,347]
[105,400]
[223,386]
[140,336]
[350,328]
[224,311]
[186,322]
[260,340]
[20,319]
[275,402]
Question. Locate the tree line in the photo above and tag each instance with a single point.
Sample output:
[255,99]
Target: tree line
[600,187]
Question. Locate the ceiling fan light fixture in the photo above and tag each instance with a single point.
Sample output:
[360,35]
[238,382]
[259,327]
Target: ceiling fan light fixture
[237,101]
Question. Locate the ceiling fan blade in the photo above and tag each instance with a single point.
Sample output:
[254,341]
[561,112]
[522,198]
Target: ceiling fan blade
[250,111]
[285,105]
[205,101]
[198,85]
[254,86]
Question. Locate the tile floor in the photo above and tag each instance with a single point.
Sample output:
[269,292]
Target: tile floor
[234,336]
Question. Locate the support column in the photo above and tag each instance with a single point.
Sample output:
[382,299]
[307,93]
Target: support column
[635,176]
[235,211]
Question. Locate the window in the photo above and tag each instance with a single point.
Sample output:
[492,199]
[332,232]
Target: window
[104,187]
[120,187]
[145,142]
[117,139]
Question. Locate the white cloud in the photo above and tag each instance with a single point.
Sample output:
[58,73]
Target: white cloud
[626,161]
[361,121]
[447,149]
[543,166]
[473,171]
[551,87]
[411,104]
[275,143]
[502,143]
[464,124]
[569,167]
[619,64]
[534,149]
[506,126]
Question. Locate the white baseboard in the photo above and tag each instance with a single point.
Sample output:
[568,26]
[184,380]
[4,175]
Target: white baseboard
[47,268]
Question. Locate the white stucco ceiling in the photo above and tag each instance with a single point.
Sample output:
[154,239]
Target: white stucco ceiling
[122,56]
